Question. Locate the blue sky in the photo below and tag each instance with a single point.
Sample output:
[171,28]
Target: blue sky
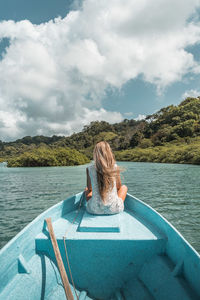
[96,61]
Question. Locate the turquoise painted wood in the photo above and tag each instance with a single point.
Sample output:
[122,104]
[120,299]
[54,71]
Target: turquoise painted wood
[136,254]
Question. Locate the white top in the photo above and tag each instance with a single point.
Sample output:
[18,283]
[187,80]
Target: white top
[112,203]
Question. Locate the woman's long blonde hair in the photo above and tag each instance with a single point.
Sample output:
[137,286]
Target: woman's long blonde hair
[105,167]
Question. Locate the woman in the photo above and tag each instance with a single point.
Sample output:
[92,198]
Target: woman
[104,192]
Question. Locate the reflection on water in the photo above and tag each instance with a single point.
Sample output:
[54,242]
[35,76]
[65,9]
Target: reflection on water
[173,190]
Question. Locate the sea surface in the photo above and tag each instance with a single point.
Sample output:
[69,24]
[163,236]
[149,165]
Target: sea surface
[172,189]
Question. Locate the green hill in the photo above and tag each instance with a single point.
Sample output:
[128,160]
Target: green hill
[170,135]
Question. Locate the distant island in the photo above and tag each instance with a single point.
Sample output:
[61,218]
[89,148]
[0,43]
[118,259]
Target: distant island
[171,135]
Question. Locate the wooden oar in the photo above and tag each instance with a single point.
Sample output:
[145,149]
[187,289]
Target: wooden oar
[60,264]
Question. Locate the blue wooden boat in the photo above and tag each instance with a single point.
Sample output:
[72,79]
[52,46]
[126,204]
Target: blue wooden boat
[136,254]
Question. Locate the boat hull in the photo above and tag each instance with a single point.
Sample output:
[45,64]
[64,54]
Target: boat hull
[137,254]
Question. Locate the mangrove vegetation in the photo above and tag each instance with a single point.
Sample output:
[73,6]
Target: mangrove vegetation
[44,157]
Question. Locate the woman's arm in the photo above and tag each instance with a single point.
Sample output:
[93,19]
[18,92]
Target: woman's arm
[118,180]
[88,189]
[121,189]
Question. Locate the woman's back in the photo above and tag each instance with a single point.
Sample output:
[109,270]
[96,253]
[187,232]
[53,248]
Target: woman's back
[111,204]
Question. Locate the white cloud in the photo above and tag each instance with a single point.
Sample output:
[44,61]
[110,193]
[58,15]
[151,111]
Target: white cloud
[191,93]
[53,75]
[140,117]
[8,123]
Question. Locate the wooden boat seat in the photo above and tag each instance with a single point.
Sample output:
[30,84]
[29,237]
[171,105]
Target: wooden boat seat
[42,274]
[170,284]
[126,225]
[95,223]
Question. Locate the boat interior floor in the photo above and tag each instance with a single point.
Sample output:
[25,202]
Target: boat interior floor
[111,257]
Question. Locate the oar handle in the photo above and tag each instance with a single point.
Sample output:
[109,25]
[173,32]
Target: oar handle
[60,264]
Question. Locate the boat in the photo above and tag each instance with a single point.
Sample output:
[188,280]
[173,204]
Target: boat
[136,254]
[3,164]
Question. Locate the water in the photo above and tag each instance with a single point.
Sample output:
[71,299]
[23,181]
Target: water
[173,190]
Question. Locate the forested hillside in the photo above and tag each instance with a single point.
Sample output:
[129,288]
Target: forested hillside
[170,135]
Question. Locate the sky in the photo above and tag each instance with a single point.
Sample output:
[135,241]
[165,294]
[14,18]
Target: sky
[66,63]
